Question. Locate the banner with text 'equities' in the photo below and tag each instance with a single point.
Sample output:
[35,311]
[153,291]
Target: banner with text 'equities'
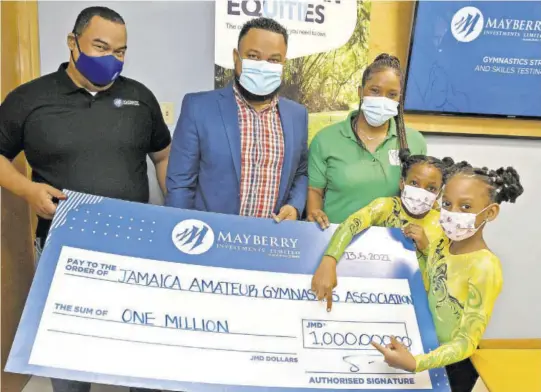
[327,51]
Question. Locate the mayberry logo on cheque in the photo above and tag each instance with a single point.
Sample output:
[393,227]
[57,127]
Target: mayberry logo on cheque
[195,237]
[467,24]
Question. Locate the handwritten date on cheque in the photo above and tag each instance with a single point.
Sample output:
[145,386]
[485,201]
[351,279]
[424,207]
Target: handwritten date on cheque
[367,256]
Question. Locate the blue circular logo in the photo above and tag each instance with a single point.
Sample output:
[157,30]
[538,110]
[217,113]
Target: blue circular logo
[193,237]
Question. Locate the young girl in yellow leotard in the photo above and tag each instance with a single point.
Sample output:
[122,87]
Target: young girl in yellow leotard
[422,181]
[464,276]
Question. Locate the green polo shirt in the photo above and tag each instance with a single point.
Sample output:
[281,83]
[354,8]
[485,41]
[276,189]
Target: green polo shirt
[351,175]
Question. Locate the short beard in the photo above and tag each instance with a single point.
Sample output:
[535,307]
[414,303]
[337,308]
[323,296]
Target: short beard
[250,97]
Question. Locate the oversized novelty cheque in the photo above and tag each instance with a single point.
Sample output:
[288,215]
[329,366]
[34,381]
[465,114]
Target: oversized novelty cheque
[155,297]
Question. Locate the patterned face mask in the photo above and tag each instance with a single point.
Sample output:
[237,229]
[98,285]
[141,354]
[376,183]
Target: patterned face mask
[459,225]
[417,201]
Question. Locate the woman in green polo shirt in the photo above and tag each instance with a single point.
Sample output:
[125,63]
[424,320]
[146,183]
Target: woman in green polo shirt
[355,161]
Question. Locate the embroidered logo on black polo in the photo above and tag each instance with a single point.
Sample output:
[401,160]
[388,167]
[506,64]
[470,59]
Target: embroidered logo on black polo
[124,102]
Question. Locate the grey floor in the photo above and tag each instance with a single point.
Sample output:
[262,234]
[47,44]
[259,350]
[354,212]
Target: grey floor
[38,384]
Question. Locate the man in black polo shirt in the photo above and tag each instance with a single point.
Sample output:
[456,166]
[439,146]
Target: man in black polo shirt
[83,128]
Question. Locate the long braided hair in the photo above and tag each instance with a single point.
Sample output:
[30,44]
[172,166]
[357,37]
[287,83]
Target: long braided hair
[381,63]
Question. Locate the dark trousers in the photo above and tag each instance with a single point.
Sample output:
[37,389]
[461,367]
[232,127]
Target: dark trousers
[76,386]
[462,376]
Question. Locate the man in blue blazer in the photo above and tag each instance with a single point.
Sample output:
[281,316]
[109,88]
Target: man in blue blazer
[243,150]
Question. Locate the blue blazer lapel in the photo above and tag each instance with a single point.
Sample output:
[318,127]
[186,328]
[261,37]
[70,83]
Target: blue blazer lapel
[286,116]
[229,112]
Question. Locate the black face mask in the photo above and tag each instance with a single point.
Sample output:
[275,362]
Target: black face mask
[252,97]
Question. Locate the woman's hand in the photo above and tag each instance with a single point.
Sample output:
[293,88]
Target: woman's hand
[397,355]
[418,235]
[324,280]
[320,217]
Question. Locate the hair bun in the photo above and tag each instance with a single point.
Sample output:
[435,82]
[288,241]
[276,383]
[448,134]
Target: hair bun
[508,186]
[382,56]
[388,57]
[458,166]
[447,161]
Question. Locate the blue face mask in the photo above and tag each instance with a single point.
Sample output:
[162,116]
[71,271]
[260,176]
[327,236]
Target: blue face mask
[260,77]
[99,70]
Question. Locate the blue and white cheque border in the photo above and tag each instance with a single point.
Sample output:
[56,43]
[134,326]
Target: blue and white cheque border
[145,232]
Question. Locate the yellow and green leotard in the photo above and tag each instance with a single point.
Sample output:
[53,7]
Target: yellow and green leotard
[386,212]
[462,290]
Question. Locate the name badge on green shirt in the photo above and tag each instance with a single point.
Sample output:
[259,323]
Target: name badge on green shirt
[394,159]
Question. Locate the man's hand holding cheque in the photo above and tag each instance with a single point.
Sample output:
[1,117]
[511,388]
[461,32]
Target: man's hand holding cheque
[287,212]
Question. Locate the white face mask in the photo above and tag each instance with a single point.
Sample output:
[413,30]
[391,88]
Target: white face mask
[260,77]
[417,201]
[459,225]
[378,110]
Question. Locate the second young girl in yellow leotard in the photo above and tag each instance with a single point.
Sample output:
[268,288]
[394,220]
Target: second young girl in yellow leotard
[422,181]
[464,276]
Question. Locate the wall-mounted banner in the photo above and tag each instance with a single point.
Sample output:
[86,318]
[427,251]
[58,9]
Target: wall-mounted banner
[327,50]
[476,58]
[163,298]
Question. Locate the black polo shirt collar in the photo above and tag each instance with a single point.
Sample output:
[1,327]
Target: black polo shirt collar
[67,86]
[65,83]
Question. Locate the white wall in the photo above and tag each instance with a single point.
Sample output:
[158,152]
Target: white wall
[171,50]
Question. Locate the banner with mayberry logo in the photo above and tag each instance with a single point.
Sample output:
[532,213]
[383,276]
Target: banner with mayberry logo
[476,58]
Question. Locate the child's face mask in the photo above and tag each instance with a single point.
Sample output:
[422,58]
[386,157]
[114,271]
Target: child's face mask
[459,226]
[418,201]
